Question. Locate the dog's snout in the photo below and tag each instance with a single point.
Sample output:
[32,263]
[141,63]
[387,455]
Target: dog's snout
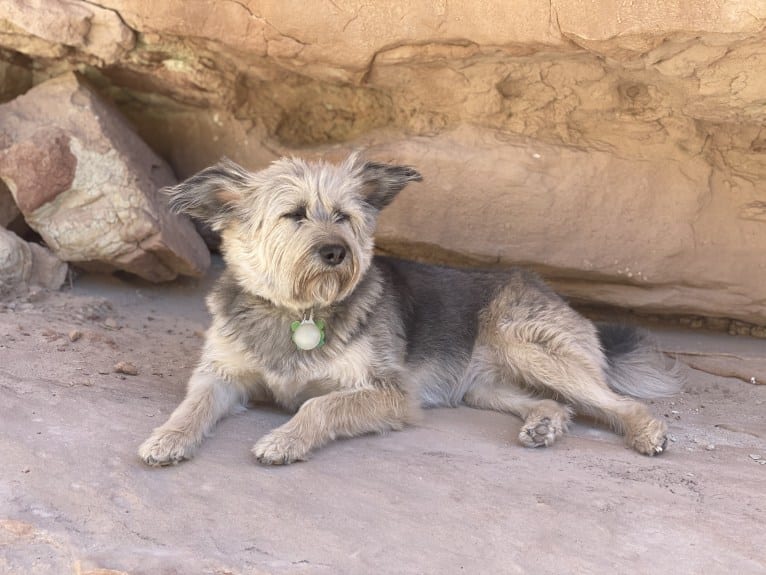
[332,254]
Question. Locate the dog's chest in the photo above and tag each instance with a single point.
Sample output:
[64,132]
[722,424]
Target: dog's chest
[307,374]
[293,375]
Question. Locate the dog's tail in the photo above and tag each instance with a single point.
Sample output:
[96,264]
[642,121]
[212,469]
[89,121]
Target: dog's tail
[634,366]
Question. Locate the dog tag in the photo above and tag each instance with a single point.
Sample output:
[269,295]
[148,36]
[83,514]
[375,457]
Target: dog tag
[308,335]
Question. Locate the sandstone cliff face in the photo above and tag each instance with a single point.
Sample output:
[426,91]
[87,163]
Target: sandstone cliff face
[619,148]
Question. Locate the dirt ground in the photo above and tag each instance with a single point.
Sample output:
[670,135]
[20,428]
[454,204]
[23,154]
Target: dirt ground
[456,494]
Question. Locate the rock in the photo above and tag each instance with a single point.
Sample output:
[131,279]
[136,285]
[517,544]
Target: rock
[25,264]
[8,209]
[51,29]
[125,367]
[647,120]
[89,186]
[586,219]
[15,76]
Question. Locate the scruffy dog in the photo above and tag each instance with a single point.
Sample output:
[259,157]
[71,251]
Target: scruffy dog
[306,317]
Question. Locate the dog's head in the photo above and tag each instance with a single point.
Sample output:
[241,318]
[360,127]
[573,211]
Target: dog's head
[299,234]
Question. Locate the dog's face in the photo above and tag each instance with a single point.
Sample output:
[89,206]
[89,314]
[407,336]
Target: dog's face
[298,234]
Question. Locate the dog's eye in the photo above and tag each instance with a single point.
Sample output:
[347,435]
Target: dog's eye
[340,217]
[297,215]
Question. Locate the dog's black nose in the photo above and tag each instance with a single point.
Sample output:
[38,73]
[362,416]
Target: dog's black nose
[332,254]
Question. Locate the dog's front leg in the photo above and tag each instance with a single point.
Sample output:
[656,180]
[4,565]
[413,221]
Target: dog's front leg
[337,414]
[209,398]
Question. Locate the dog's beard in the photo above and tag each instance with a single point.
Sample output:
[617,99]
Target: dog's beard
[319,285]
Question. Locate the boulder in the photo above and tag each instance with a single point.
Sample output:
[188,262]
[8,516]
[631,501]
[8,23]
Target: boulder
[642,235]
[24,265]
[89,185]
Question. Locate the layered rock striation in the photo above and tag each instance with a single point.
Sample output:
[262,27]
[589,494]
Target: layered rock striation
[619,148]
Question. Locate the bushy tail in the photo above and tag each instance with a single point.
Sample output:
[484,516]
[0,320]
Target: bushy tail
[635,367]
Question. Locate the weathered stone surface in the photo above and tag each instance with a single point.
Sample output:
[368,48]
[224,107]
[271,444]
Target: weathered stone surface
[24,264]
[648,118]
[89,186]
[454,495]
[51,28]
[15,76]
[9,211]
[599,226]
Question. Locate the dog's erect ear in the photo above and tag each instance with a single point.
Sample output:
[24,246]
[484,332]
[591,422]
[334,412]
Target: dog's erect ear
[212,194]
[383,181]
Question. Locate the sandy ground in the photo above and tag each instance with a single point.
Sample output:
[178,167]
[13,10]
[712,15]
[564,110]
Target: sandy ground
[456,494]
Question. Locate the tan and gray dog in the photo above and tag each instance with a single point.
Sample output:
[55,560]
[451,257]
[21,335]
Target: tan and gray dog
[305,316]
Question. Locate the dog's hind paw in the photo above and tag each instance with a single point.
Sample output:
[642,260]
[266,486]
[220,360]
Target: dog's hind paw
[166,448]
[280,448]
[541,429]
[652,439]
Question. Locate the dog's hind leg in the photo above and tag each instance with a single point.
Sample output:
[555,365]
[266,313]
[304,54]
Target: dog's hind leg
[338,414]
[545,420]
[208,398]
[532,336]
[573,377]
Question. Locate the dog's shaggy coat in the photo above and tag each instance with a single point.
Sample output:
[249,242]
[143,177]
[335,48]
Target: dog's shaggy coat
[297,239]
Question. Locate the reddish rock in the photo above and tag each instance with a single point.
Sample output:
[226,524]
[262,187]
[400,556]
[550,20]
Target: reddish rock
[89,185]
[48,151]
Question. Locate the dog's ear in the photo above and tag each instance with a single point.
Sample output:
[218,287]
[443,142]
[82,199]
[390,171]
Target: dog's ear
[211,195]
[381,182]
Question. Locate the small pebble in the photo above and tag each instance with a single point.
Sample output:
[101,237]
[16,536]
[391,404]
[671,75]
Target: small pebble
[36,295]
[75,334]
[755,456]
[126,367]
[710,447]
[111,323]
[25,470]
[753,381]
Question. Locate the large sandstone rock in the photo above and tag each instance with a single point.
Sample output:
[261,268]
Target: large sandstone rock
[601,227]
[89,186]
[24,264]
[616,146]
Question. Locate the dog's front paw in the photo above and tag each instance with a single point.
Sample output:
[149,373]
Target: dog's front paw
[166,447]
[280,448]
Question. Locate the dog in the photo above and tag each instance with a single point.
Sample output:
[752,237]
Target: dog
[307,317]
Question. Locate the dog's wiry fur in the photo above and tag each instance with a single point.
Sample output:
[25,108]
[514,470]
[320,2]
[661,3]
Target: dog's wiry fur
[399,335]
